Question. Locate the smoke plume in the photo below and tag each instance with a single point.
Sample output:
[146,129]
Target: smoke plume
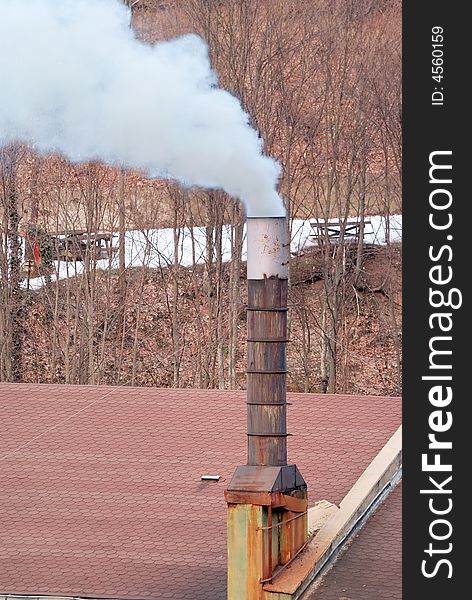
[75,80]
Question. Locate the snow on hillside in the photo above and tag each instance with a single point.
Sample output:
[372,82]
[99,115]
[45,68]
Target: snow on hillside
[154,248]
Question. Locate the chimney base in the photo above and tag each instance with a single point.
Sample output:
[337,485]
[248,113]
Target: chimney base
[267,524]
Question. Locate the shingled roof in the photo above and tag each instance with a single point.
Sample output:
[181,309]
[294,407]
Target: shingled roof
[101,492]
[370,567]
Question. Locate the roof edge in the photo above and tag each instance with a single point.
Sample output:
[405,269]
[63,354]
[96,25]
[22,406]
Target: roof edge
[4,596]
[372,487]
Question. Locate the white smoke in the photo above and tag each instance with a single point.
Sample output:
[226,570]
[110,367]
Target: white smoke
[75,80]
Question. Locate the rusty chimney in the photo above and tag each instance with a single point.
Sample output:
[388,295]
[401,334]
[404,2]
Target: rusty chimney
[267,274]
[267,497]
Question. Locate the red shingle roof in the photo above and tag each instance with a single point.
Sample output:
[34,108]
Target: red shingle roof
[100,490]
[370,567]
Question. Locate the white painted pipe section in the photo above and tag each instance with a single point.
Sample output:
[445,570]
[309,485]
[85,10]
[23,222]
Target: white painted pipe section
[268,247]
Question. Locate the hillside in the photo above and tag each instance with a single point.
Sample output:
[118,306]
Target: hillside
[137,347]
[321,84]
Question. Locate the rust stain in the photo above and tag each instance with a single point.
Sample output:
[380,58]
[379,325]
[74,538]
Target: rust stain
[254,589]
[271,244]
[269,543]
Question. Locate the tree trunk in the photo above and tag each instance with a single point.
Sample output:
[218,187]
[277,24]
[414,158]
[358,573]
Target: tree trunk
[220,353]
[175,297]
[235,292]
[14,297]
[324,346]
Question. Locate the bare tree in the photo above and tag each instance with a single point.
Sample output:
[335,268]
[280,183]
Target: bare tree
[12,309]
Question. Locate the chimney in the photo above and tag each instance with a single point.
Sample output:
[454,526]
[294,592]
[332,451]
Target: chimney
[267,274]
[267,497]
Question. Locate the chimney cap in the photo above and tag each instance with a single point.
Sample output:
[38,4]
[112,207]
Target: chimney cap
[267,247]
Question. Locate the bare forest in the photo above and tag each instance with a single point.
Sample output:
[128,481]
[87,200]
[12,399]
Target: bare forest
[321,81]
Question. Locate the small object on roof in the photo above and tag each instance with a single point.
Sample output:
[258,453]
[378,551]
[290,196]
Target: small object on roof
[211,477]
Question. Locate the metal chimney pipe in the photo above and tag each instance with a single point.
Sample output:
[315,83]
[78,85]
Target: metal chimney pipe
[267,498]
[267,274]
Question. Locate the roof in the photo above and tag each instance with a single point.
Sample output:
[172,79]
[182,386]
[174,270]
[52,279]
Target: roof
[100,490]
[371,566]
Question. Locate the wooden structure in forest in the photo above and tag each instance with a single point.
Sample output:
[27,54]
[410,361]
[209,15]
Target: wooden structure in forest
[72,245]
[79,245]
[67,246]
[331,231]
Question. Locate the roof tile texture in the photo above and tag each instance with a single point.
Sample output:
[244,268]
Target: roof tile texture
[370,568]
[100,490]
